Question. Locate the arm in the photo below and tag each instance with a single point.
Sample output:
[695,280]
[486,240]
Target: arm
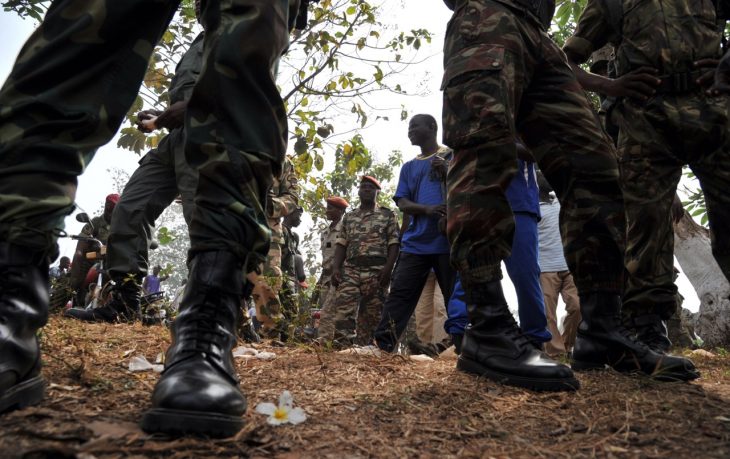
[283,200]
[385,273]
[339,259]
[145,284]
[409,207]
[638,84]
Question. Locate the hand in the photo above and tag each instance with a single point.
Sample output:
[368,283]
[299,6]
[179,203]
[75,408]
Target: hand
[442,225]
[436,211]
[708,76]
[174,116]
[440,165]
[384,277]
[336,279]
[144,119]
[677,210]
[638,84]
[722,77]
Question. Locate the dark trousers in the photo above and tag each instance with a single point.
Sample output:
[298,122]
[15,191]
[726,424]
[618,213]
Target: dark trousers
[409,278]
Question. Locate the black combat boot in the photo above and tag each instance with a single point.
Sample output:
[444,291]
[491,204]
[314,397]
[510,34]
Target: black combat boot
[651,330]
[23,310]
[123,305]
[198,391]
[494,346]
[603,340]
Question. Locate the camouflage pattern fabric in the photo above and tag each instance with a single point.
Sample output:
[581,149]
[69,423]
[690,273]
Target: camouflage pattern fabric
[288,295]
[358,303]
[328,241]
[99,228]
[658,137]
[366,236]
[281,199]
[162,175]
[505,77]
[266,287]
[58,109]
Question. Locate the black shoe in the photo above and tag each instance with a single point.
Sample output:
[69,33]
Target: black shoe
[23,310]
[650,330]
[123,305]
[603,340]
[494,346]
[198,392]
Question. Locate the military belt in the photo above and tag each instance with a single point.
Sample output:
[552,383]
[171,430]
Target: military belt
[367,261]
[677,83]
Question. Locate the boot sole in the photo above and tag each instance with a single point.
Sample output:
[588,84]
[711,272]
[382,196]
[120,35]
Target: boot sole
[665,376]
[179,422]
[24,394]
[535,384]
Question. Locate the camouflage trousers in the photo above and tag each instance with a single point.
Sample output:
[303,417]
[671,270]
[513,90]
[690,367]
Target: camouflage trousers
[327,295]
[58,109]
[162,175]
[358,303]
[504,78]
[656,140]
[266,288]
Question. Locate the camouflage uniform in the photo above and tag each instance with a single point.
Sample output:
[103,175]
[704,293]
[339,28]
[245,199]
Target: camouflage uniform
[504,76]
[282,199]
[679,125]
[328,241]
[162,175]
[358,303]
[290,287]
[58,109]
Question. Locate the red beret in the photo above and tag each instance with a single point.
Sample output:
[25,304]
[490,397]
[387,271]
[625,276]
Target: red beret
[373,180]
[112,198]
[338,202]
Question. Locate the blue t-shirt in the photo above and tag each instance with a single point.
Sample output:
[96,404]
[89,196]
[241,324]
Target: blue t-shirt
[417,184]
[522,193]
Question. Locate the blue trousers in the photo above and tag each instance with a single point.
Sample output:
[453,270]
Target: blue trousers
[524,271]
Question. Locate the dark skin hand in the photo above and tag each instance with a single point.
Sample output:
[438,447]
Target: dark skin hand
[639,84]
[385,273]
[707,78]
[721,84]
[171,118]
[409,207]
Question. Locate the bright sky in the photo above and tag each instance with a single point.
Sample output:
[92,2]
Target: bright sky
[383,137]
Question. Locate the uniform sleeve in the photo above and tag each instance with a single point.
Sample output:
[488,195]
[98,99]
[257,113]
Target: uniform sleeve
[592,32]
[342,237]
[286,197]
[404,187]
[187,72]
[87,230]
[393,232]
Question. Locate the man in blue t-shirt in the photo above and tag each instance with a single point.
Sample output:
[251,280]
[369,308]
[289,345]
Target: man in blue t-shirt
[421,196]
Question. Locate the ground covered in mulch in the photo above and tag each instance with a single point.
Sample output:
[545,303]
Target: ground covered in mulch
[363,406]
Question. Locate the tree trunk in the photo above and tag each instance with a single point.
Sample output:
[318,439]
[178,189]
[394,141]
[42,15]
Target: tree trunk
[692,249]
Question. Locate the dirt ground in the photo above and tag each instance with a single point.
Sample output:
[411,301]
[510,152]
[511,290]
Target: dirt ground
[363,406]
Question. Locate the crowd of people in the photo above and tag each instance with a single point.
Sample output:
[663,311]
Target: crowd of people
[513,101]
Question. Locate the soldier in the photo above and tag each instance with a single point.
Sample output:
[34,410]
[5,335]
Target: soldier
[368,248]
[289,252]
[665,57]
[504,76]
[282,199]
[336,207]
[57,110]
[162,175]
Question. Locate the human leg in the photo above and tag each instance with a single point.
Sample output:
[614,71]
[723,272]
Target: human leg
[572,309]
[488,56]
[524,272]
[550,284]
[409,276]
[57,111]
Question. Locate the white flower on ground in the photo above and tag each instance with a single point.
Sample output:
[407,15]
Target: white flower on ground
[283,413]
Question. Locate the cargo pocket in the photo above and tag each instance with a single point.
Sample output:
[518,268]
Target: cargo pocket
[475,96]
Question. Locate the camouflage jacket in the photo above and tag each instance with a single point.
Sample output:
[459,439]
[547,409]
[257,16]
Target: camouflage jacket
[289,249]
[328,241]
[282,199]
[367,234]
[668,35]
[101,229]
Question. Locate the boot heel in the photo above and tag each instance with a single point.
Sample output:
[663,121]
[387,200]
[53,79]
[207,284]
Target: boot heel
[24,394]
